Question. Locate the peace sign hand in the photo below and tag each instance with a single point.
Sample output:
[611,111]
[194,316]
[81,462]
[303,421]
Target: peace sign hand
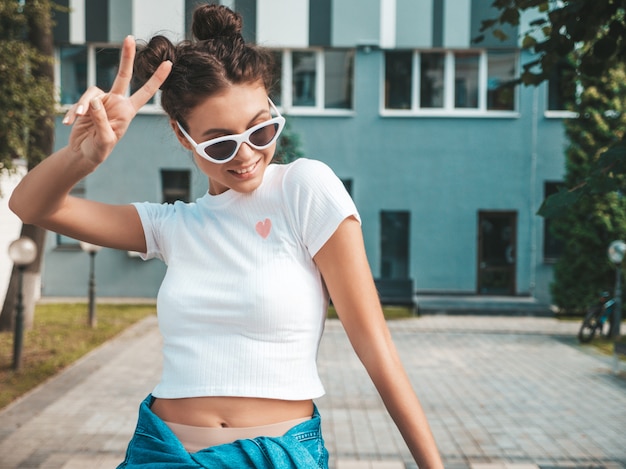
[101,119]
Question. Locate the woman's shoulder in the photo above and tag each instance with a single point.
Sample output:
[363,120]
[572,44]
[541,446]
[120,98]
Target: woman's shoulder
[304,171]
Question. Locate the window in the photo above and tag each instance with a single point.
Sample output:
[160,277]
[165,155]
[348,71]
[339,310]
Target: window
[552,246]
[65,242]
[79,67]
[398,80]
[175,185]
[466,80]
[338,72]
[561,87]
[450,82]
[431,80]
[347,183]
[107,63]
[501,72]
[278,78]
[394,244]
[314,79]
[73,73]
[304,79]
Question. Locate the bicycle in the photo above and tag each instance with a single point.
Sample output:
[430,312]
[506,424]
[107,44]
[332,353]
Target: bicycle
[596,318]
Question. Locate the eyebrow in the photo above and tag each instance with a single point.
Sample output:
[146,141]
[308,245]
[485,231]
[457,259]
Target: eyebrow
[230,132]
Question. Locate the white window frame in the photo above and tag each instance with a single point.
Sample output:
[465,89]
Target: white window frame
[286,91]
[91,76]
[448,109]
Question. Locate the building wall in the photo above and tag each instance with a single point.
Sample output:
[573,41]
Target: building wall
[444,170]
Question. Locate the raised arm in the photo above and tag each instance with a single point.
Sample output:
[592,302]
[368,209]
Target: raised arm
[99,121]
[343,264]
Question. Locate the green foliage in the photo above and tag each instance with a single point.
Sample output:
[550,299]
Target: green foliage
[289,147]
[592,35]
[589,212]
[589,224]
[596,29]
[26,95]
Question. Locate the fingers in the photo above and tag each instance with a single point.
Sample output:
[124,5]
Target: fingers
[81,107]
[106,135]
[125,71]
[143,94]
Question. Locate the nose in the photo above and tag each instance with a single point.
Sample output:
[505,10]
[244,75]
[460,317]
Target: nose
[245,152]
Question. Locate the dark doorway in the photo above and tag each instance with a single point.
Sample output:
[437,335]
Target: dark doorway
[497,241]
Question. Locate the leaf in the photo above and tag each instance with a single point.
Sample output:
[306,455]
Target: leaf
[528,42]
[511,16]
[499,34]
[557,204]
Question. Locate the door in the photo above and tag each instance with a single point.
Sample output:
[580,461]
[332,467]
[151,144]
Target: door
[497,241]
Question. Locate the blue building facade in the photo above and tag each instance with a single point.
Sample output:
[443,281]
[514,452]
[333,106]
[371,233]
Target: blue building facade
[446,165]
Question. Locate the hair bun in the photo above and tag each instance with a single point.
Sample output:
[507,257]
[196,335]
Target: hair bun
[215,21]
[150,56]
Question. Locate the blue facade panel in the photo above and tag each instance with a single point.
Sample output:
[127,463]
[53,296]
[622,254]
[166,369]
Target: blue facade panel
[355,22]
[414,24]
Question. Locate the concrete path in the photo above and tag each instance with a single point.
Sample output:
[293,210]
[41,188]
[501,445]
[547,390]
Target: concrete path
[500,392]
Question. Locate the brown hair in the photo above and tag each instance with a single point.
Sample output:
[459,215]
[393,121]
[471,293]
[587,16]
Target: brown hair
[215,58]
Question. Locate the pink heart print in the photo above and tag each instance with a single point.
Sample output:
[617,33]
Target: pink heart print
[264,228]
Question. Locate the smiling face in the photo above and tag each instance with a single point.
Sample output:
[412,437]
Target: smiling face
[234,111]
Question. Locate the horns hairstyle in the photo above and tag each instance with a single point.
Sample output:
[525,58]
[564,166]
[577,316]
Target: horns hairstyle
[215,58]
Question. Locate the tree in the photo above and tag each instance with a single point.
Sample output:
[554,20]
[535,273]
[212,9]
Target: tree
[27,115]
[289,147]
[589,211]
[592,35]
[588,226]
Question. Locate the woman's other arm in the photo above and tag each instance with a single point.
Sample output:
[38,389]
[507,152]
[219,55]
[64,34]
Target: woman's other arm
[346,271]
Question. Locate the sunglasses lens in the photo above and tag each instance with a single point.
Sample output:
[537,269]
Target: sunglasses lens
[264,135]
[221,150]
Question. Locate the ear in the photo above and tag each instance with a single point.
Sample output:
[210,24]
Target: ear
[179,135]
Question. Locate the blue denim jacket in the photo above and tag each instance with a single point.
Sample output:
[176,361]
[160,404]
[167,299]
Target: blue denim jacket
[154,446]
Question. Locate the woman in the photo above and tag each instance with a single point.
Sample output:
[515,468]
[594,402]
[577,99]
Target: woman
[250,265]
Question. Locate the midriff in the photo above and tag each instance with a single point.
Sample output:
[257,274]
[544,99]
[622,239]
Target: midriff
[235,412]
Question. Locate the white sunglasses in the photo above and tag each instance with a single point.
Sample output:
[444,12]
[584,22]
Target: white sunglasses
[223,149]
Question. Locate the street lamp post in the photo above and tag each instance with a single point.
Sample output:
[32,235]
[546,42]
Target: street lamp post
[92,250]
[617,249]
[22,252]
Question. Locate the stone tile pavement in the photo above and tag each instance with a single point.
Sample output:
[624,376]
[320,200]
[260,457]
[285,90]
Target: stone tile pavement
[500,393]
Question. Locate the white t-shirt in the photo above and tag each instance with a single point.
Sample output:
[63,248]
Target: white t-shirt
[242,305]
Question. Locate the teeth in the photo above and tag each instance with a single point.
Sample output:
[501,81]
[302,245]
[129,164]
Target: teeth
[245,170]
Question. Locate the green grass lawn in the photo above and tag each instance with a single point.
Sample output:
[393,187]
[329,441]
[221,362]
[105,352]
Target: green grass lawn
[59,337]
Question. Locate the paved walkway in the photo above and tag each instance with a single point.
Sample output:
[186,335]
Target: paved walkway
[500,392]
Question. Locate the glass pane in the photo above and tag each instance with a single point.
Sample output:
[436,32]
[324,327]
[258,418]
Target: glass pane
[304,78]
[500,71]
[431,80]
[394,244]
[276,91]
[338,71]
[107,62]
[176,185]
[398,73]
[561,87]
[466,80]
[73,73]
